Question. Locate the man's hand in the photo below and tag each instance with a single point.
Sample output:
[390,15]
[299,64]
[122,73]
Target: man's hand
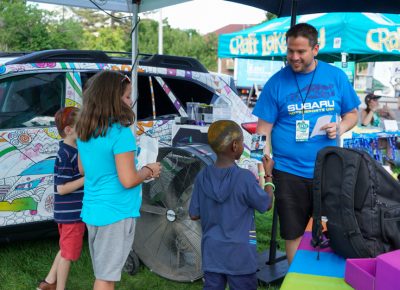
[331,130]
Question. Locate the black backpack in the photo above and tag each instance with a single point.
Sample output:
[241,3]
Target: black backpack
[361,201]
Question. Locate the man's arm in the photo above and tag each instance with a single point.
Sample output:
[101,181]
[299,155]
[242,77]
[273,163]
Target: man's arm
[70,186]
[349,120]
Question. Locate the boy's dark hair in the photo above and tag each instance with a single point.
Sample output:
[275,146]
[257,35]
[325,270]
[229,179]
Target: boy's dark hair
[304,30]
[102,105]
[65,117]
[222,133]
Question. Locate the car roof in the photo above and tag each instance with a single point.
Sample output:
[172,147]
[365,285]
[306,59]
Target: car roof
[97,56]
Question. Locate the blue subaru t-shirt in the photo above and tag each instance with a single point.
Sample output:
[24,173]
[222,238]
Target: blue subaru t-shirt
[106,200]
[280,103]
[225,200]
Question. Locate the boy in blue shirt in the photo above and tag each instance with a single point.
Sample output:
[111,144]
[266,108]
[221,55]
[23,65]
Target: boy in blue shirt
[68,195]
[224,199]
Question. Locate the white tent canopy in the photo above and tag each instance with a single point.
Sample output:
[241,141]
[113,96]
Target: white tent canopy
[115,5]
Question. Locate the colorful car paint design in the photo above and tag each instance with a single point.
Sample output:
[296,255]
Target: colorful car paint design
[27,155]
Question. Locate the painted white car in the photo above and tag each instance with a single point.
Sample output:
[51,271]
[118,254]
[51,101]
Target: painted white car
[34,86]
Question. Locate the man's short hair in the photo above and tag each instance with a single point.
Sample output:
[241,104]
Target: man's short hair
[304,30]
[222,133]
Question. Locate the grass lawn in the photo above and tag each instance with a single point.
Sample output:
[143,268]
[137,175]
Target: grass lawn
[24,263]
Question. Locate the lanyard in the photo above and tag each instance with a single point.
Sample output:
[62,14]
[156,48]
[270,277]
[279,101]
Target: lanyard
[303,101]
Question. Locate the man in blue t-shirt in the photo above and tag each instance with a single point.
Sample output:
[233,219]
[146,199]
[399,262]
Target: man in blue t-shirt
[303,108]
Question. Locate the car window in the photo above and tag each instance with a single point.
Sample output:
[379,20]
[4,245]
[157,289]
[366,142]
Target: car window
[163,105]
[30,100]
[184,90]
[189,91]
[164,108]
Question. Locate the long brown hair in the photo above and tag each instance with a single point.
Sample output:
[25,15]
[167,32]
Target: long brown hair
[103,106]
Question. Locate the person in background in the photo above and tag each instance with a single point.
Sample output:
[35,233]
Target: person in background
[68,194]
[304,95]
[107,159]
[224,199]
[372,115]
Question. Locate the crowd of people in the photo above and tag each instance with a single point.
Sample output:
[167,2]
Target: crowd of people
[98,157]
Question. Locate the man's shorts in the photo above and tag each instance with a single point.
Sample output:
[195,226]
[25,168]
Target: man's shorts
[71,240]
[293,199]
[217,281]
[109,248]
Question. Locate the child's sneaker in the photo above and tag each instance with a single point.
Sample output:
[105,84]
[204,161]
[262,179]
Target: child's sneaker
[43,285]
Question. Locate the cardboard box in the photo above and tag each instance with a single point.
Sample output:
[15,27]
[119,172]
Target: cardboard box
[388,271]
[360,273]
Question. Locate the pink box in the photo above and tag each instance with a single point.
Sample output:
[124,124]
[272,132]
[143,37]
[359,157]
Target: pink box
[388,271]
[360,273]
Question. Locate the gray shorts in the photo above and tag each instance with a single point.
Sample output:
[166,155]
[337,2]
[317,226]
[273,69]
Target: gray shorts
[109,248]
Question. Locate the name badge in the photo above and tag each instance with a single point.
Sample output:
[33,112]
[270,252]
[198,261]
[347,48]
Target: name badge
[302,130]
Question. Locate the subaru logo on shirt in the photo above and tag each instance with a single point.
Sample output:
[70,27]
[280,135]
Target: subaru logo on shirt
[320,106]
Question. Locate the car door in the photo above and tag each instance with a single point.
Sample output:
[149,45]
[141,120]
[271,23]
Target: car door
[28,145]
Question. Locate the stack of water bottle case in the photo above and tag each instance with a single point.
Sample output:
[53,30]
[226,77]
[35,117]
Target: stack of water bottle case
[202,114]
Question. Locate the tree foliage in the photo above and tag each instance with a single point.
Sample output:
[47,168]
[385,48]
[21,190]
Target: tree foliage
[22,28]
[27,28]
[107,33]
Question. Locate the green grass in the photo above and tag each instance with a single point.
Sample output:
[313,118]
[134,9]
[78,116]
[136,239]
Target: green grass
[24,263]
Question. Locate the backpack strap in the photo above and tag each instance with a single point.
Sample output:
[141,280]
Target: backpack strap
[317,237]
[351,227]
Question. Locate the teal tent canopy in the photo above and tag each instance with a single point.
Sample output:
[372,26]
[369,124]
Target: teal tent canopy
[362,36]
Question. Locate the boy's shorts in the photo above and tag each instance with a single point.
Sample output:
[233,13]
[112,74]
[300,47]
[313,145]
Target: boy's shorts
[293,199]
[71,240]
[109,248]
[217,281]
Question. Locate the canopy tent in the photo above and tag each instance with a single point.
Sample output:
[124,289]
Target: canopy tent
[299,7]
[361,36]
[278,7]
[115,5]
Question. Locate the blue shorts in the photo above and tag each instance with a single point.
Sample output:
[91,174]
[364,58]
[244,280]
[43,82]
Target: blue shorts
[217,281]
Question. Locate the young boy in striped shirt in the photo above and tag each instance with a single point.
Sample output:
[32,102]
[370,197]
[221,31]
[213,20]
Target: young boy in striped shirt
[68,187]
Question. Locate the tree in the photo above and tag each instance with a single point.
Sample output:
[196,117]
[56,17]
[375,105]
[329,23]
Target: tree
[107,38]
[66,34]
[35,29]
[28,33]
[38,29]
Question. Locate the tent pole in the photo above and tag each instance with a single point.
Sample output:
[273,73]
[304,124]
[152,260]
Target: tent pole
[293,12]
[135,50]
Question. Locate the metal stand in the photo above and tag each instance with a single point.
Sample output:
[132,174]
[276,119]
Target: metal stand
[272,264]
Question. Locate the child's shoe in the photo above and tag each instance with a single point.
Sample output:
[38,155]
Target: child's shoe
[43,285]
